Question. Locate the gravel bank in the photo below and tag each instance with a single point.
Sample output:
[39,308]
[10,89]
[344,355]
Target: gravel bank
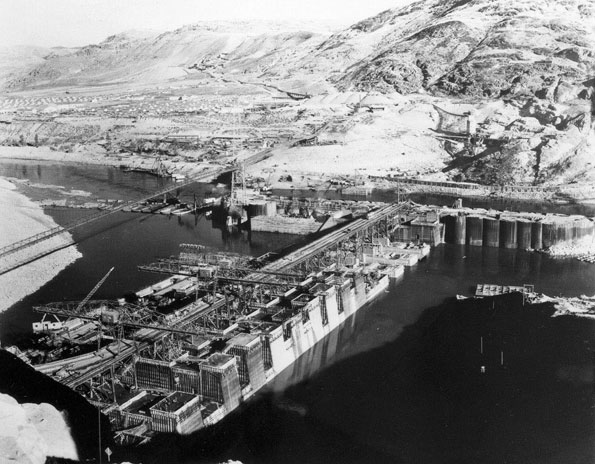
[583,249]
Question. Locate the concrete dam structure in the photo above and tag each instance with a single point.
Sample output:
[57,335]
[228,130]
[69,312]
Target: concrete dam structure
[512,230]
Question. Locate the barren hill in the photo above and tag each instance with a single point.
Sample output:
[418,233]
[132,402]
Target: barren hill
[518,77]
[176,55]
[479,48]
[486,48]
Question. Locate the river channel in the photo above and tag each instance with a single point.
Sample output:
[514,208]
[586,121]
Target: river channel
[401,381]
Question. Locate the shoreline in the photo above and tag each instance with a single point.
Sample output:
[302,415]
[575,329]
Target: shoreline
[320,180]
[25,218]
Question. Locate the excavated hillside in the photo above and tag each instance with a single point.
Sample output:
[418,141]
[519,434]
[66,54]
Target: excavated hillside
[519,75]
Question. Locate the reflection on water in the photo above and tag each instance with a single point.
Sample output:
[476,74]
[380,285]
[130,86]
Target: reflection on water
[446,200]
[397,382]
[102,182]
[122,240]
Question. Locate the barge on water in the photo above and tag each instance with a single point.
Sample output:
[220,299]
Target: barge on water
[495,290]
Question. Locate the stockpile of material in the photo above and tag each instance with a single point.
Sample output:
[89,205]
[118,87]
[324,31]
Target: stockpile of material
[285,225]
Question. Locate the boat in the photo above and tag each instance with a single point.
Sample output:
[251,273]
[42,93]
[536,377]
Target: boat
[153,207]
[181,210]
[138,208]
[168,209]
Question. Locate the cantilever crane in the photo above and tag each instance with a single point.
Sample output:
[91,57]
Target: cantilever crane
[44,326]
[93,290]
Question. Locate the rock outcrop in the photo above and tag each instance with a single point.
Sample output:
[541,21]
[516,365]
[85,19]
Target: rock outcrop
[29,433]
[66,422]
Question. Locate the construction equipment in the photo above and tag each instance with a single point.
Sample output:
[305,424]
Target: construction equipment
[47,327]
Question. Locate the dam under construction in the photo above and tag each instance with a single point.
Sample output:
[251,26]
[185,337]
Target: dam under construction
[181,354]
[420,223]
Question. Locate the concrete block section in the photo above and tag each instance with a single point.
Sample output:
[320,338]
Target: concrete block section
[537,235]
[523,234]
[220,380]
[491,232]
[474,230]
[455,229]
[508,233]
[247,348]
[178,412]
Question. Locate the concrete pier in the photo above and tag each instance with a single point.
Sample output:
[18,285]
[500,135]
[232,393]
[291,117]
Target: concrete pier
[549,234]
[537,235]
[455,228]
[508,233]
[460,229]
[523,234]
[491,232]
[474,230]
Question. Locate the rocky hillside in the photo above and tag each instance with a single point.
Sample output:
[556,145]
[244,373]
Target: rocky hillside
[524,70]
[59,423]
[30,433]
[476,48]
[479,48]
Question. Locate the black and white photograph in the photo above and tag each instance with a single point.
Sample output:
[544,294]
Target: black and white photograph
[297,232]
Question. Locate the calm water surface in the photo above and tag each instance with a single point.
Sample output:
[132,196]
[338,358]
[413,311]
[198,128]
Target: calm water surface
[401,381]
[398,382]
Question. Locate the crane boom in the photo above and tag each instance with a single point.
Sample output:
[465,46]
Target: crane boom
[93,290]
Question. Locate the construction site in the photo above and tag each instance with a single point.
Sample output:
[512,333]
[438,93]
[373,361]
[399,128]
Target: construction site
[183,353]
[198,215]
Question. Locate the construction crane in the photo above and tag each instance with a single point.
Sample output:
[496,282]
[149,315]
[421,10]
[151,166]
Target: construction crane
[93,290]
[116,315]
[46,326]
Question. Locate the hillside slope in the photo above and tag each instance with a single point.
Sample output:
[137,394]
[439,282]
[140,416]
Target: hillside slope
[175,55]
[21,59]
[520,76]
[485,48]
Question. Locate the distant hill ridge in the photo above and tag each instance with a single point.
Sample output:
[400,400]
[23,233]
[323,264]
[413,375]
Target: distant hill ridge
[478,48]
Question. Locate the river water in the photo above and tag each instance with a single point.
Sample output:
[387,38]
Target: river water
[401,381]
